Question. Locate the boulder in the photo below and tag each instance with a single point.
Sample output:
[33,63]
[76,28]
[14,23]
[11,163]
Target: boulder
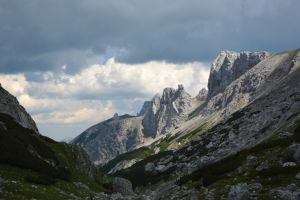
[239,192]
[122,186]
[290,192]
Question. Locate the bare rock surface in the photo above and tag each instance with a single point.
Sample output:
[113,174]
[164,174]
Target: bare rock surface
[168,112]
[230,65]
[254,82]
[290,192]
[10,105]
[122,186]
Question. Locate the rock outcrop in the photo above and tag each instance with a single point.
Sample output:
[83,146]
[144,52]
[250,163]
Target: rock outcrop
[166,113]
[244,191]
[149,120]
[232,86]
[286,193]
[122,185]
[10,105]
[230,65]
[202,95]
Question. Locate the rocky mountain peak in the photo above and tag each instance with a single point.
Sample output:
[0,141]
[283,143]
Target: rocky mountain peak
[167,95]
[10,105]
[180,87]
[165,113]
[230,65]
[116,116]
[202,95]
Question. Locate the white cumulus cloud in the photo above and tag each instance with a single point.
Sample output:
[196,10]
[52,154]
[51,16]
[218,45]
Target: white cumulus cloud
[98,91]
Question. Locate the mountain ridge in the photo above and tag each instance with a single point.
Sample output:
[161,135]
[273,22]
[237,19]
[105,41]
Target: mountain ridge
[161,115]
[241,143]
[117,136]
[10,105]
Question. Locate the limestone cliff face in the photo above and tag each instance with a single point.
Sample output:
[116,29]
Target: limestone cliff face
[10,105]
[150,120]
[166,113]
[249,86]
[230,65]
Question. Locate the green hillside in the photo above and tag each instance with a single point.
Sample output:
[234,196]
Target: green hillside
[34,166]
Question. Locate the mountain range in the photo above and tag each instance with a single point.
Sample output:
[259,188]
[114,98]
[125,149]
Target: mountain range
[238,139]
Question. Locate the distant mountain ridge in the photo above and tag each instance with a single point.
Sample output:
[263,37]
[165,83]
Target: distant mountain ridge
[166,113]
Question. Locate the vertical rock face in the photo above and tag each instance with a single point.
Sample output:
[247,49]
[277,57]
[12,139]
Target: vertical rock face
[146,106]
[167,112]
[150,122]
[230,65]
[251,85]
[10,105]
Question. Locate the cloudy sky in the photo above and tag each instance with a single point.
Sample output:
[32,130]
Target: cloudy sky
[73,63]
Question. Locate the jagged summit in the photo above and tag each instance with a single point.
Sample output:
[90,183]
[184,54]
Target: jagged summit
[112,137]
[167,113]
[230,65]
[11,106]
[167,95]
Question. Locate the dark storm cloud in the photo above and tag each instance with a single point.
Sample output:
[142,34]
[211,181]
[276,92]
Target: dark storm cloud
[44,35]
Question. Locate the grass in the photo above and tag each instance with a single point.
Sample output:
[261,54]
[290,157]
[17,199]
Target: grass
[23,148]
[16,187]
